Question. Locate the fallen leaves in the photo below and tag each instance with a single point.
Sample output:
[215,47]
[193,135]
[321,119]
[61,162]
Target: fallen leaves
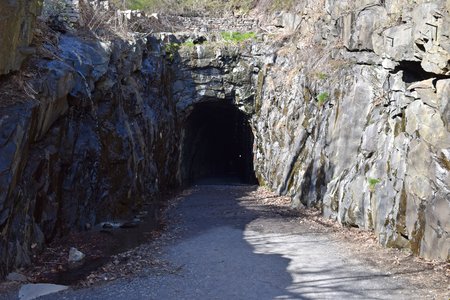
[433,276]
[133,262]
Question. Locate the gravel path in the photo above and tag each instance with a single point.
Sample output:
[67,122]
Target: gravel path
[230,246]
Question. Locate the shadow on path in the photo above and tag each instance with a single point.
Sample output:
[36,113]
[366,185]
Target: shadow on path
[230,247]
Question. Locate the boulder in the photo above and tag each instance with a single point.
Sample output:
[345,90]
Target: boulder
[75,255]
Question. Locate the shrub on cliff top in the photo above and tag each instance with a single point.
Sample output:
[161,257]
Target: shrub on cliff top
[238,36]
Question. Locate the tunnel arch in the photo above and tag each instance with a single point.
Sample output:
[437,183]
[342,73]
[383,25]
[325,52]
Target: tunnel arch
[217,145]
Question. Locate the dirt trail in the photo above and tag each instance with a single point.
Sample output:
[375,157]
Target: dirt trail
[233,243]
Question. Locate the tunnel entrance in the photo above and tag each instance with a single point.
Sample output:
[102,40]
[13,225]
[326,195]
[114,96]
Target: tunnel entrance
[217,145]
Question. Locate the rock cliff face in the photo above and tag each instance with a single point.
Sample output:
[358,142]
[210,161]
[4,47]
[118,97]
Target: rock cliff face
[347,101]
[361,131]
[97,139]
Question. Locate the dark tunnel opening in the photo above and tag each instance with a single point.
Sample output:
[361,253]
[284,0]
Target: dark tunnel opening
[218,145]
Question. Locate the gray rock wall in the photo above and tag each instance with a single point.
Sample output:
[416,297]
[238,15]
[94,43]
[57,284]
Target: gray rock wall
[99,139]
[361,131]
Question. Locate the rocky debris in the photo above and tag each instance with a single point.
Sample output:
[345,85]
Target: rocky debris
[141,259]
[142,214]
[100,249]
[130,224]
[107,226]
[14,276]
[33,291]
[123,224]
[75,256]
[133,262]
[110,225]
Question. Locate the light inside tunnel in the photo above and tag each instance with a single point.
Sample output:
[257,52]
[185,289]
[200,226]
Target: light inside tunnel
[218,143]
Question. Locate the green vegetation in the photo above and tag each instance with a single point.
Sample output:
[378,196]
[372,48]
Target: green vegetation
[237,37]
[321,76]
[188,43]
[372,183]
[322,98]
[171,49]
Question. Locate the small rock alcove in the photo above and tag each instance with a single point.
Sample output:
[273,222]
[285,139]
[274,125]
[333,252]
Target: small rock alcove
[217,145]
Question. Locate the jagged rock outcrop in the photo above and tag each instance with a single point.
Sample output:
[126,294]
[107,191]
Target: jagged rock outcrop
[98,138]
[16,23]
[362,132]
